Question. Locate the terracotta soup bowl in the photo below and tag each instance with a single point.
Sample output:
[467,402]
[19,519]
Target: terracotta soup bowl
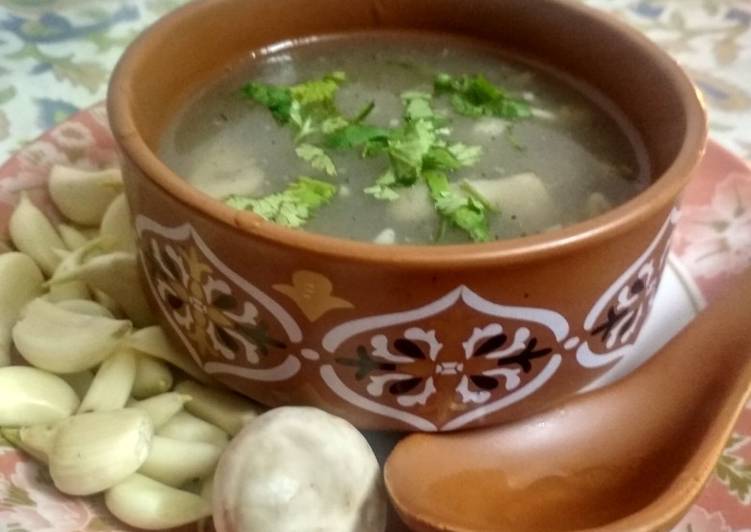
[428,338]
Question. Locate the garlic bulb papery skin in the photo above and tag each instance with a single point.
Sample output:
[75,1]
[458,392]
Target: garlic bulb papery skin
[83,195]
[144,503]
[30,396]
[299,469]
[95,451]
[58,340]
[20,282]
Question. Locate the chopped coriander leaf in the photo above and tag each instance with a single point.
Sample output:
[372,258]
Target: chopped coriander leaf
[292,207]
[317,158]
[384,187]
[466,155]
[475,96]
[364,112]
[318,91]
[417,106]
[355,135]
[305,105]
[332,124]
[278,100]
[461,210]
[408,147]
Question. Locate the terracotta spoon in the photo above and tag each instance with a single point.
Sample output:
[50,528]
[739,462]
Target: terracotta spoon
[630,457]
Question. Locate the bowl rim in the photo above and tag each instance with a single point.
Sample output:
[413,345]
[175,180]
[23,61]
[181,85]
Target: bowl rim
[627,216]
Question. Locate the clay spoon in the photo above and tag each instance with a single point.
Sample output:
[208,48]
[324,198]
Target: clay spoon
[630,457]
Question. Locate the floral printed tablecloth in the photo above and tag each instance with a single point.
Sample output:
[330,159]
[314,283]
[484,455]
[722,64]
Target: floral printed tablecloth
[56,57]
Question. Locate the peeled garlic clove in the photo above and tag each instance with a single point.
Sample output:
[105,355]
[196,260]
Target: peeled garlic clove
[112,384]
[33,234]
[161,408]
[72,237]
[65,291]
[69,290]
[152,377]
[107,302]
[207,488]
[83,195]
[115,274]
[175,462]
[30,396]
[226,410]
[116,229]
[80,381]
[95,451]
[85,306]
[154,342]
[61,341]
[187,427]
[20,282]
[150,505]
[37,441]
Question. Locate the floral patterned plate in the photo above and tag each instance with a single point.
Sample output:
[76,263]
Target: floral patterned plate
[711,245]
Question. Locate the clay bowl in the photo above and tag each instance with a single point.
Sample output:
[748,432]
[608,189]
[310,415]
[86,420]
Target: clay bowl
[462,336]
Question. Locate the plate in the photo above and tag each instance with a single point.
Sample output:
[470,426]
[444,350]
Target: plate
[712,244]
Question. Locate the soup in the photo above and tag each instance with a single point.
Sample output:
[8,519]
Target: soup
[406,139]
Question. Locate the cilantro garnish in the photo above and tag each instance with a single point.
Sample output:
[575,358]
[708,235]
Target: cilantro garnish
[462,210]
[292,207]
[475,96]
[305,105]
[417,150]
[317,158]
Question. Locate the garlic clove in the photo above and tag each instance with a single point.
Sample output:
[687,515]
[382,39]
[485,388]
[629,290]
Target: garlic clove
[152,377]
[37,441]
[187,427]
[72,237]
[93,452]
[30,396]
[112,384]
[154,342]
[70,289]
[226,410]
[161,408]
[20,282]
[33,234]
[83,195]
[115,274]
[207,488]
[150,505]
[85,306]
[175,462]
[79,381]
[61,341]
[116,228]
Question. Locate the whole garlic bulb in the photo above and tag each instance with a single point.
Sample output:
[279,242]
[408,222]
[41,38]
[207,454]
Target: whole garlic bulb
[299,469]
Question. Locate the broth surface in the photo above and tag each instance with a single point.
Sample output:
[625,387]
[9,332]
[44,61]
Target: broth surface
[574,158]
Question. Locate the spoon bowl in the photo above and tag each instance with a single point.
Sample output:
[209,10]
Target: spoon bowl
[632,456]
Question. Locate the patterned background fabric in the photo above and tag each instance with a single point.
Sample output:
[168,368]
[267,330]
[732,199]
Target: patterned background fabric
[56,57]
